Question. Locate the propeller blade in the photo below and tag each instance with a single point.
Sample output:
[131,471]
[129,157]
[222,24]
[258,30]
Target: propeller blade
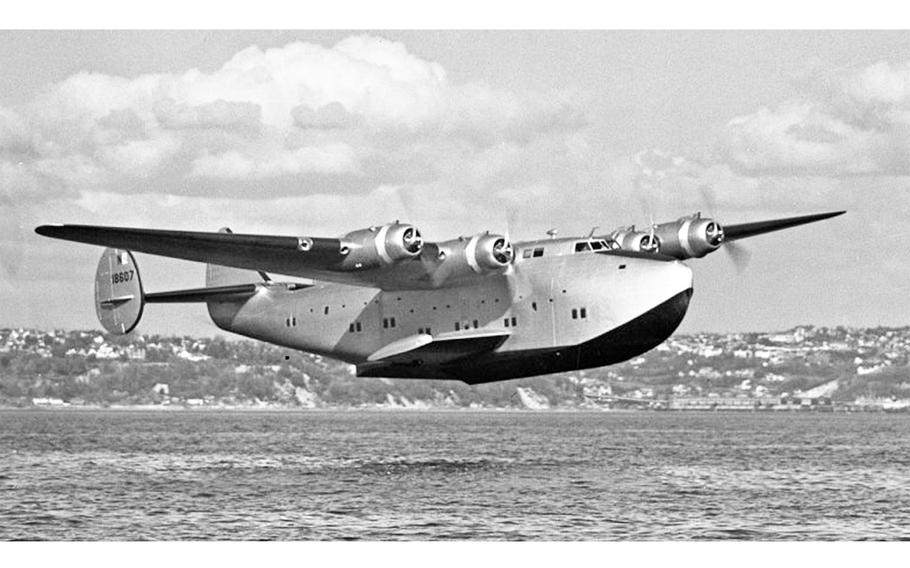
[511,222]
[709,199]
[11,241]
[407,202]
[746,230]
[738,254]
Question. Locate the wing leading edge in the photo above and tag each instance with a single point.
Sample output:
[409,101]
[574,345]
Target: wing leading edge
[746,230]
[334,260]
[306,257]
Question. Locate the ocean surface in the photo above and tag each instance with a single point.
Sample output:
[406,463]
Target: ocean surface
[386,475]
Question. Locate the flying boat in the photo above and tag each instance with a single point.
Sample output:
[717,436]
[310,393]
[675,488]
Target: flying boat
[477,308]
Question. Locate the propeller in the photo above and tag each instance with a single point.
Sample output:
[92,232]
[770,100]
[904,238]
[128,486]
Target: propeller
[739,255]
[502,251]
[650,242]
[412,240]
[11,242]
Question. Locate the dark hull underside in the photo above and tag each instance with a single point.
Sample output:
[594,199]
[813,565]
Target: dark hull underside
[642,334]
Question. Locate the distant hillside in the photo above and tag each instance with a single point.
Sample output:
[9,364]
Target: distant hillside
[91,368]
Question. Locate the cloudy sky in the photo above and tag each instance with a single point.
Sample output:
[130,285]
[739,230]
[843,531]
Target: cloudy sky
[319,133]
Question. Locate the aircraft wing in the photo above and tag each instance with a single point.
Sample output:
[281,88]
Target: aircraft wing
[306,257]
[746,230]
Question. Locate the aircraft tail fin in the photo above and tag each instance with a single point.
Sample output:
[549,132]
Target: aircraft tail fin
[119,298]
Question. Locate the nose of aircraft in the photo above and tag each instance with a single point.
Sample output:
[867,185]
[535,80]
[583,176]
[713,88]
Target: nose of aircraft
[668,299]
[675,277]
[655,303]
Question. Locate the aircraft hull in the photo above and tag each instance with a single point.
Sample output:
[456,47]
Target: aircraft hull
[551,315]
[631,339]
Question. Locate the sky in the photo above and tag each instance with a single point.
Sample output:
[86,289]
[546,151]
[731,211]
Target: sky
[320,133]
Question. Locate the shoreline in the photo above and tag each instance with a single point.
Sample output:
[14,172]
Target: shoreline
[156,408]
[354,409]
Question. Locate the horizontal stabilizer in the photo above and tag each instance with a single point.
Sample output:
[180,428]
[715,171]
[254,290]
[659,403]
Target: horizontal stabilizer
[113,302]
[210,294]
[745,230]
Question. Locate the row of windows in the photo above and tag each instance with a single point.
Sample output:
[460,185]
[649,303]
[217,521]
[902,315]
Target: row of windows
[459,326]
[535,252]
[391,322]
[325,309]
[290,322]
[579,313]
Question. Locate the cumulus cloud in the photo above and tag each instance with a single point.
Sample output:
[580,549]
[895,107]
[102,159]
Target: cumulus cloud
[217,114]
[851,123]
[365,108]
[138,158]
[329,117]
[330,159]
[14,136]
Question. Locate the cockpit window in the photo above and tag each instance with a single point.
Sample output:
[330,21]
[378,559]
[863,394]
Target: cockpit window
[532,252]
[592,245]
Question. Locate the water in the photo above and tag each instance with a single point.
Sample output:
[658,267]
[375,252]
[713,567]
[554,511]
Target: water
[129,475]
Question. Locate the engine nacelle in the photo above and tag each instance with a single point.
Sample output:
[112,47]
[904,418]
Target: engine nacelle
[488,253]
[636,241]
[380,246]
[465,258]
[689,237]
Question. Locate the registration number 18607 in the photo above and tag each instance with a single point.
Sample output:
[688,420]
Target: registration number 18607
[124,276]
